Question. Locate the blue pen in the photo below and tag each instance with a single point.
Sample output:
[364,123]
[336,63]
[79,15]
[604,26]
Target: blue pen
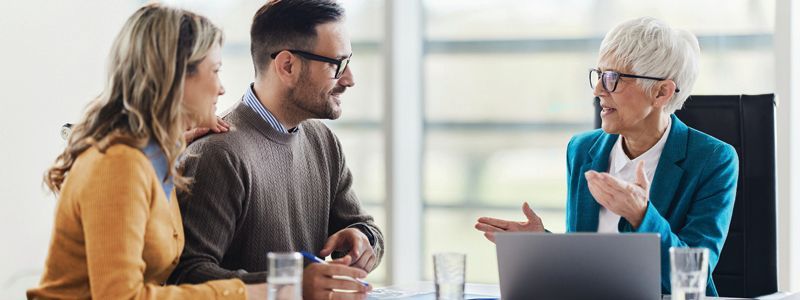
[316,259]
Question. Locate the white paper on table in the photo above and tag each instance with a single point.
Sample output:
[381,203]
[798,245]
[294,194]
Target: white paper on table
[386,293]
[402,291]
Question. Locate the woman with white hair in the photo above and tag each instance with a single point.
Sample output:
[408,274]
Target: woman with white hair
[645,72]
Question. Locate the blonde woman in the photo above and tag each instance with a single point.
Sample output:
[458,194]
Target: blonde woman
[118,231]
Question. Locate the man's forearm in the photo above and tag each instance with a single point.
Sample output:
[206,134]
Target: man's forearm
[203,272]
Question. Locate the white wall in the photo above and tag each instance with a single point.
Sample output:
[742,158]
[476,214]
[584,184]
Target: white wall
[53,57]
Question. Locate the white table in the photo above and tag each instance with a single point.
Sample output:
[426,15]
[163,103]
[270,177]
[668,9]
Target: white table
[427,290]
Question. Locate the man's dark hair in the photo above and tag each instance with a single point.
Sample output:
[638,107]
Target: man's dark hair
[289,24]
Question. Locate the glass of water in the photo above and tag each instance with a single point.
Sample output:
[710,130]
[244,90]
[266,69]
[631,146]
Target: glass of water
[449,269]
[285,276]
[689,273]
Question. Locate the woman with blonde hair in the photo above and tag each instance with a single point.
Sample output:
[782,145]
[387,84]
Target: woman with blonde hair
[118,232]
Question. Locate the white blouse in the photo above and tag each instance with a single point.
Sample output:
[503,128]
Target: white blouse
[622,167]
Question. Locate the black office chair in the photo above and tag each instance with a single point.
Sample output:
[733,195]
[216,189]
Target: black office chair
[747,267]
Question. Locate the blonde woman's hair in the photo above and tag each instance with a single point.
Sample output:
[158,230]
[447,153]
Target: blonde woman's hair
[155,50]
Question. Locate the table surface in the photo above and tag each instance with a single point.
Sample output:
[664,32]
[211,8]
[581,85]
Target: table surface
[426,290]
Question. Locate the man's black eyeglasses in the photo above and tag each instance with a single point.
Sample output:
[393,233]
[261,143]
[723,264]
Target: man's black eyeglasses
[341,64]
[609,79]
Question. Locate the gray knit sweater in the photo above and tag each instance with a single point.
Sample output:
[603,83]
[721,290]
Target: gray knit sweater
[258,190]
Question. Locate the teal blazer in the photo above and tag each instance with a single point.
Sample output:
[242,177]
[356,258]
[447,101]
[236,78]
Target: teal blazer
[691,196]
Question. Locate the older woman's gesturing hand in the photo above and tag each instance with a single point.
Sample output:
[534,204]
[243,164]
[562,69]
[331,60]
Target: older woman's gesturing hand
[629,200]
[491,225]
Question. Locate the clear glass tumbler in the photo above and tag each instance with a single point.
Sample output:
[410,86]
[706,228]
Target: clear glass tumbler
[689,273]
[449,270]
[285,276]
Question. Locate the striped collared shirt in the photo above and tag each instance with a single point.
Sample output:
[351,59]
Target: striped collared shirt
[252,101]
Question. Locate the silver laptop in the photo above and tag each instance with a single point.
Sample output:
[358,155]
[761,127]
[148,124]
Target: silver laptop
[579,266]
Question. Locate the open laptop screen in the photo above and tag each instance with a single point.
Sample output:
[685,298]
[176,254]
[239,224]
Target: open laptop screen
[579,266]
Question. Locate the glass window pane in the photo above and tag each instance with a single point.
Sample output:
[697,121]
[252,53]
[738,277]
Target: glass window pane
[364,101]
[554,87]
[524,19]
[365,20]
[363,148]
[496,168]
[509,87]
[746,71]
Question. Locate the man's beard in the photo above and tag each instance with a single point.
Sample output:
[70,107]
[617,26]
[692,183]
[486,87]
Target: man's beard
[312,101]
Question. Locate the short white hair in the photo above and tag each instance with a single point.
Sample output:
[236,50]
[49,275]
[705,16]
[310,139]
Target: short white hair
[650,47]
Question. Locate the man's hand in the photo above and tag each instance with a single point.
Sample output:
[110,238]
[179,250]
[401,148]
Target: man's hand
[490,226]
[256,291]
[356,244]
[196,133]
[319,284]
[629,200]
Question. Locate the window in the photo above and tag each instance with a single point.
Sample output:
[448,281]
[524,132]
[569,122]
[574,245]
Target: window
[506,87]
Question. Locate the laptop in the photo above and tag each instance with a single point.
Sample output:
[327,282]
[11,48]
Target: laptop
[579,266]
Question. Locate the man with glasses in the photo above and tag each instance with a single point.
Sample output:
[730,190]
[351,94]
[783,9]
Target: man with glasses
[278,180]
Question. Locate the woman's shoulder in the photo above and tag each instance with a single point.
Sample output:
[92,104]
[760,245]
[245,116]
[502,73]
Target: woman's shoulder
[580,146]
[701,142]
[116,152]
[586,139]
[117,158]
[120,169]
[706,152]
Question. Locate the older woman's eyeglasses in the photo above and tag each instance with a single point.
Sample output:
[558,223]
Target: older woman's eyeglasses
[609,79]
[341,64]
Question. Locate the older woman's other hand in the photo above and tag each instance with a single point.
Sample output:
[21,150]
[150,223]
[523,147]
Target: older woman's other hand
[628,200]
[196,133]
[489,226]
